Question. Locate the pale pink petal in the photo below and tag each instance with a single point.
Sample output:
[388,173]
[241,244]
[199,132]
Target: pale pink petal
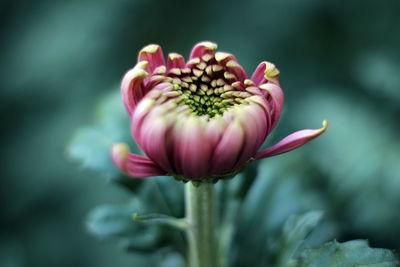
[175,61]
[235,68]
[223,57]
[253,124]
[228,150]
[254,90]
[214,130]
[276,93]
[176,141]
[256,114]
[148,107]
[202,48]
[292,141]
[154,134]
[150,81]
[134,165]
[194,150]
[265,72]
[140,113]
[232,65]
[258,74]
[262,102]
[132,89]
[153,54]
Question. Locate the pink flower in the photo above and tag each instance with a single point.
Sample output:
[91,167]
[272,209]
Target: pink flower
[202,119]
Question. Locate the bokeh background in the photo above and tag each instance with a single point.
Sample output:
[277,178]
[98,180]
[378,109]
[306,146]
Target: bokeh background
[61,64]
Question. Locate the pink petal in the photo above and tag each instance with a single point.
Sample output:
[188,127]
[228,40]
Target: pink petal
[231,62]
[261,120]
[153,54]
[276,93]
[194,150]
[175,61]
[132,89]
[140,113]
[292,141]
[228,150]
[154,140]
[134,165]
[234,67]
[223,57]
[215,129]
[176,141]
[265,72]
[150,105]
[252,120]
[202,48]
[262,102]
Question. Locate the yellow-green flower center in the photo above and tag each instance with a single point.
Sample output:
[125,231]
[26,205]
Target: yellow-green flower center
[207,88]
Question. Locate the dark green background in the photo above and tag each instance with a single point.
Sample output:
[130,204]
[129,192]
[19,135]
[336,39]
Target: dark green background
[339,60]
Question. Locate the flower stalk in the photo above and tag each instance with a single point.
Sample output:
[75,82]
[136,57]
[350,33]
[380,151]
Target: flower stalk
[201,219]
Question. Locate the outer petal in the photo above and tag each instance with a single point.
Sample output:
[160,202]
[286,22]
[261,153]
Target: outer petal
[253,124]
[154,140]
[262,102]
[215,129]
[228,150]
[265,72]
[292,141]
[132,89]
[202,48]
[140,113]
[132,164]
[153,54]
[276,93]
[194,150]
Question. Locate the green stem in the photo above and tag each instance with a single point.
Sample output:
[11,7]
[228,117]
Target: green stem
[200,216]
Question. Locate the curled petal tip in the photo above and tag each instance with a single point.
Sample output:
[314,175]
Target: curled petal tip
[202,48]
[265,71]
[325,126]
[174,56]
[209,45]
[138,70]
[119,155]
[131,85]
[151,48]
[175,60]
[219,56]
[133,165]
[153,54]
[271,70]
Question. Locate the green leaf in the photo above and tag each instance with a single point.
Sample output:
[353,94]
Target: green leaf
[348,254]
[90,145]
[295,232]
[115,221]
[277,192]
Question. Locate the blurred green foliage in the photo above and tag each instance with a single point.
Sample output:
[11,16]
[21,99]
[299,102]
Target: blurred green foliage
[61,62]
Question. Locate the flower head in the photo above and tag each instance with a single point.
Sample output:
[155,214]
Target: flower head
[202,119]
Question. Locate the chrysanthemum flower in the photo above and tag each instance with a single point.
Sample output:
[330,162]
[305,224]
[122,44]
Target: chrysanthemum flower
[203,119]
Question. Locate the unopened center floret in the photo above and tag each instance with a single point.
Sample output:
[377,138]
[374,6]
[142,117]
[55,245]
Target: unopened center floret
[207,87]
